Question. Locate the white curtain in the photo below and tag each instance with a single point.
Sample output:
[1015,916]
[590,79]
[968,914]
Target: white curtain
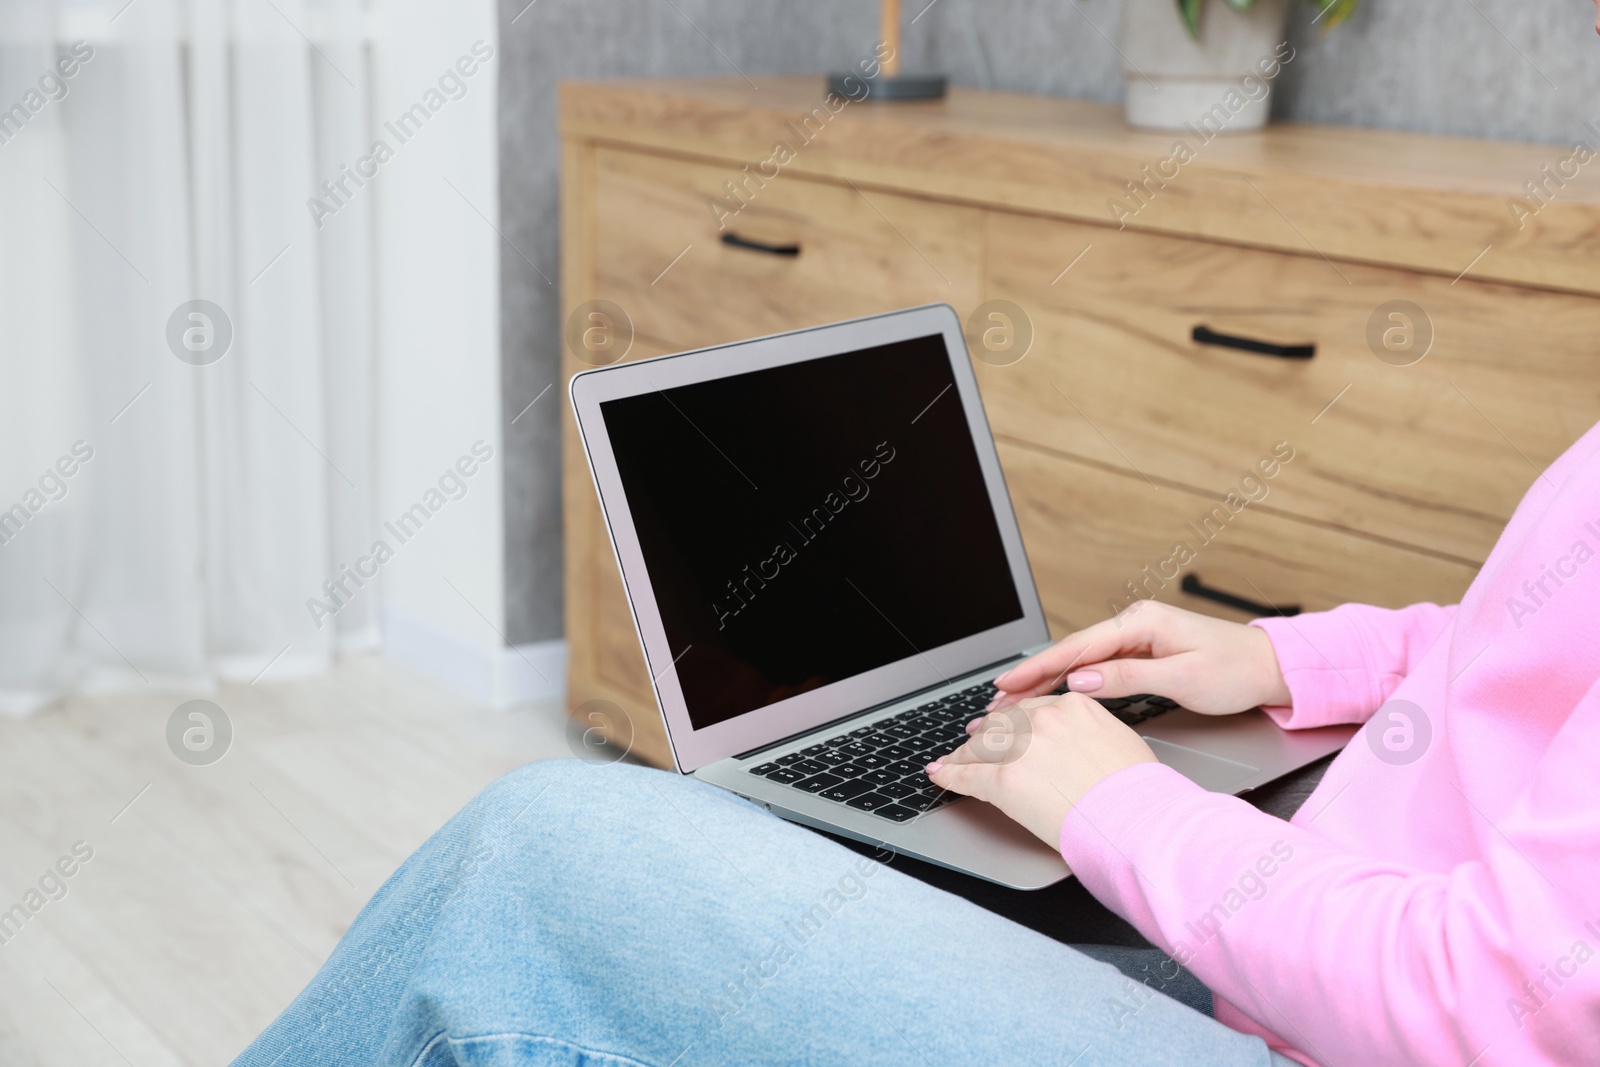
[164,520]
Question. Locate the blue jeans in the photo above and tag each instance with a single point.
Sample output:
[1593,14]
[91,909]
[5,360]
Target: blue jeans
[604,915]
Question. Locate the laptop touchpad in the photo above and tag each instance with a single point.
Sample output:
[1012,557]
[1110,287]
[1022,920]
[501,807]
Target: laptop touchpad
[1205,770]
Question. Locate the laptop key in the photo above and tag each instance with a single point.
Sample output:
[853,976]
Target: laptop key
[888,759]
[898,812]
[845,791]
[869,801]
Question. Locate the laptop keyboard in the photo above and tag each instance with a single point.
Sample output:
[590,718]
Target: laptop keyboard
[881,768]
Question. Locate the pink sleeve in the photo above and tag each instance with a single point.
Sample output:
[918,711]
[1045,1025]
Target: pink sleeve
[1356,960]
[1342,664]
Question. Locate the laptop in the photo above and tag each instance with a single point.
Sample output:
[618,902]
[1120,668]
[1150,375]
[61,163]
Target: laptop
[826,574]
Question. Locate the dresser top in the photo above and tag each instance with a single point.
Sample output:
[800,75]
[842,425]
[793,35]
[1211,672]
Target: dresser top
[1440,204]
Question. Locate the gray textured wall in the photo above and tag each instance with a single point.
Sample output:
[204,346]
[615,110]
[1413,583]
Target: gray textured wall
[1493,68]
[1487,68]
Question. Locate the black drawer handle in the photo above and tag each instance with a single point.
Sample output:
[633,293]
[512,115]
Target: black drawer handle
[1204,335]
[735,241]
[1192,585]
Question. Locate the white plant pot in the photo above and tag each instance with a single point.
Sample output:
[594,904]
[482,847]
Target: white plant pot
[1223,81]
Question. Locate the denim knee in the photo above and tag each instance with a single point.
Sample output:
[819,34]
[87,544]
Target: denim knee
[591,799]
[609,783]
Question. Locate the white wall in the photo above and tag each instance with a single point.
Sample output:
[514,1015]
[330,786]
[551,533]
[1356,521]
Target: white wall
[438,338]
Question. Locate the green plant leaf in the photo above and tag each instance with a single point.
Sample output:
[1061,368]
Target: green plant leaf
[1241,5]
[1190,10]
[1335,12]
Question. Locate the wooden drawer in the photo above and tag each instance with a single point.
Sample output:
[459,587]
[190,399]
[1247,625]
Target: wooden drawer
[659,251]
[1089,530]
[1434,454]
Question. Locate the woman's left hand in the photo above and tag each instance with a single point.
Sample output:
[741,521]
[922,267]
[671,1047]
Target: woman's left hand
[1036,759]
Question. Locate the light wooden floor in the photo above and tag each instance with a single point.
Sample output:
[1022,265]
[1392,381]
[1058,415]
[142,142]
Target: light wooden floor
[215,892]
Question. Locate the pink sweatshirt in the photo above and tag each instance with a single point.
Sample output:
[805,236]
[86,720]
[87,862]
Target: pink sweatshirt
[1437,899]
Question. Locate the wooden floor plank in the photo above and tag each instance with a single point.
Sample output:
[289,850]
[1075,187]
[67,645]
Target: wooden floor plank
[215,892]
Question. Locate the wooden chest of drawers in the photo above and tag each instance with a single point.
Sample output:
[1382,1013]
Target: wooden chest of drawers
[1452,341]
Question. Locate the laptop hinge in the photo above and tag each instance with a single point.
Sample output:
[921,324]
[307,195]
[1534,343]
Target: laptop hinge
[876,707]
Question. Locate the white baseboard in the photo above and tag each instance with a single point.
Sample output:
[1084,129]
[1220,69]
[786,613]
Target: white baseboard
[500,677]
[536,672]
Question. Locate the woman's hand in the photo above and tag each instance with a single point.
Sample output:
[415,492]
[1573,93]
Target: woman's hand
[1207,665]
[1035,760]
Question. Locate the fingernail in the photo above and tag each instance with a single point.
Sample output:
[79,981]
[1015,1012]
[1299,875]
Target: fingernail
[1084,681]
[934,766]
[1000,680]
[991,705]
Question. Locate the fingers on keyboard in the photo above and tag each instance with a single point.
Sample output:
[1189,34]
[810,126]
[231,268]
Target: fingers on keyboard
[880,768]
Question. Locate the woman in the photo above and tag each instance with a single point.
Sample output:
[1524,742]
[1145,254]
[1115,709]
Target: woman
[1437,900]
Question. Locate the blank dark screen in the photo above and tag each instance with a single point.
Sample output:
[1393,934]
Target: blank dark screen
[807,523]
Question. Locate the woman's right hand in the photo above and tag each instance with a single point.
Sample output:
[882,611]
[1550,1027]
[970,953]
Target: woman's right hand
[1207,665]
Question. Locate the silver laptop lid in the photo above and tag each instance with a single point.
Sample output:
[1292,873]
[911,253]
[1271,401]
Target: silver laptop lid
[808,525]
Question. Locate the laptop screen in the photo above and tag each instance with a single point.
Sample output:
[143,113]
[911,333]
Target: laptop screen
[806,523]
